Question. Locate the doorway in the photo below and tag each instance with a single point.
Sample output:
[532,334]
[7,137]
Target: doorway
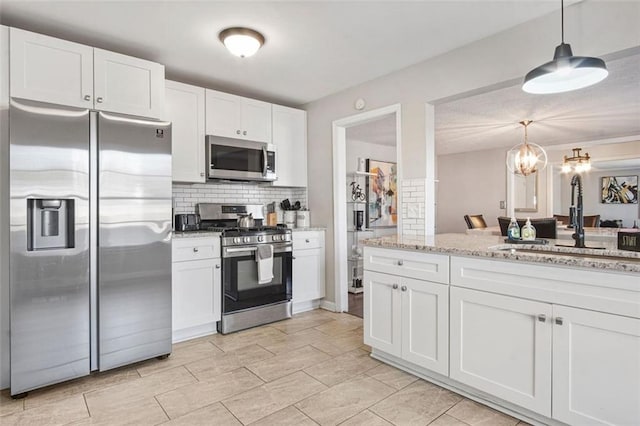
[365,146]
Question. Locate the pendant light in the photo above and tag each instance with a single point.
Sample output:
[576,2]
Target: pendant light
[526,158]
[566,72]
[577,162]
[242,42]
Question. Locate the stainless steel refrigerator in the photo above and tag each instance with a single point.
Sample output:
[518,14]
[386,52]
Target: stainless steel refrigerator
[90,242]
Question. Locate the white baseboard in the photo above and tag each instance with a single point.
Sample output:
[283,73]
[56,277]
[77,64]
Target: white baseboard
[193,332]
[327,305]
[307,305]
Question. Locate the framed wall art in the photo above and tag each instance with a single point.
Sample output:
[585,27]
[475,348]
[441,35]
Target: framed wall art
[382,194]
[619,190]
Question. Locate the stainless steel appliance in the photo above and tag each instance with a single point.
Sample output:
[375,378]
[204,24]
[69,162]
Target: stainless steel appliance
[236,159]
[187,222]
[90,242]
[245,301]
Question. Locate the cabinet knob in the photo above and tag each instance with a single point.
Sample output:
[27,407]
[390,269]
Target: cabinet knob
[99,100]
[217,266]
[395,286]
[403,288]
[542,317]
[400,262]
[237,132]
[201,173]
[293,258]
[559,320]
[244,133]
[195,249]
[306,240]
[87,97]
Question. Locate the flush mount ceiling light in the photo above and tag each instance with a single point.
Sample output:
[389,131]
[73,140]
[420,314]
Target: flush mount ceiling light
[526,158]
[578,163]
[242,42]
[566,72]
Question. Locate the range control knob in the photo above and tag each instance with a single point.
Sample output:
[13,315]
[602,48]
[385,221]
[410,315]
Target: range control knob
[274,237]
[260,238]
[236,240]
[247,239]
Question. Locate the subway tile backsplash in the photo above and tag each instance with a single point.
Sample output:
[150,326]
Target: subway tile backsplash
[186,196]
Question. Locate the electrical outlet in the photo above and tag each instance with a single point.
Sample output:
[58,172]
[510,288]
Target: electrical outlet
[503,204]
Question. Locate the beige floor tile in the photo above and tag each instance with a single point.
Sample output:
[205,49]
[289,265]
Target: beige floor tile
[56,413]
[209,368]
[344,400]
[338,327]
[342,367]
[445,420]
[391,376]
[523,423]
[181,355]
[419,403]
[287,363]
[78,386]
[135,412]
[273,396]
[214,414]
[185,399]
[9,405]
[289,416]
[289,342]
[301,322]
[366,418]
[106,401]
[341,343]
[259,335]
[474,414]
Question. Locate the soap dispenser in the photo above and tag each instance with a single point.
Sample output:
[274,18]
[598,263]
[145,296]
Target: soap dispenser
[513,231]
[528,231]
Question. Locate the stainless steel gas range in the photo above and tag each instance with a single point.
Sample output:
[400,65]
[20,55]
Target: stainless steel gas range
[246,300]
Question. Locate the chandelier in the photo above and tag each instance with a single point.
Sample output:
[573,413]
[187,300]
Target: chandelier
[577,163]
[526,158]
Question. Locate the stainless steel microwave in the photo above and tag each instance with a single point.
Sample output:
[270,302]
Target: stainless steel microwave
[237,159]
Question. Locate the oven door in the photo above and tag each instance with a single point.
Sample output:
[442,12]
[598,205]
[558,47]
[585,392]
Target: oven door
[240,278]
[240,160]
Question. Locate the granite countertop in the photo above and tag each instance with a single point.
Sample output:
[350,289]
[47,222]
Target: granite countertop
[492,246]
[195,234]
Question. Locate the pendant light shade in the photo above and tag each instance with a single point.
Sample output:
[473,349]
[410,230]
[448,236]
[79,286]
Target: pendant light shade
[577,162]
[566,72]
[526,158]
[242,42]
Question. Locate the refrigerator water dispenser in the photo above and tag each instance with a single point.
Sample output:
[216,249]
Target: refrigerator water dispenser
[50,224]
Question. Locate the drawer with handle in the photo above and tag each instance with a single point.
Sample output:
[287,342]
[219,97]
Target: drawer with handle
[303,240]
[184,249]
[422,266]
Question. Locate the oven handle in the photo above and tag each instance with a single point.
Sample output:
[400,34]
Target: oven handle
[234,250]
[264,161]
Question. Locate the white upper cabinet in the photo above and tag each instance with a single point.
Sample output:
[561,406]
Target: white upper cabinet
[184,107]
[51,70]
[233,116]
[48,69]
[290,139]
[128,85]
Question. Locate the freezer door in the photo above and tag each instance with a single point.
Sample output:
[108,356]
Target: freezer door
[134,239]
[49,244]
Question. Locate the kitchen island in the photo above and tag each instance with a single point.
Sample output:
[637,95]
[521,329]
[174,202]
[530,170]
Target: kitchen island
[549,334]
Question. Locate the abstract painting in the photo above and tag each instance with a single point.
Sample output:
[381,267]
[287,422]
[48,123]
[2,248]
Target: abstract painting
[620,190]
[382,194]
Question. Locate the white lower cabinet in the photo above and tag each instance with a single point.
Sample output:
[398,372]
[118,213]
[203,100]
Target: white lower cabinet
[196,287]
[596,368]
[407,318]
[308,282]
[502,346]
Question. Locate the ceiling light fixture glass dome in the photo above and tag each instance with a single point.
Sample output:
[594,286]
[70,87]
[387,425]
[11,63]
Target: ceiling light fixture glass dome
[241,42]
[526,158]
[566,72]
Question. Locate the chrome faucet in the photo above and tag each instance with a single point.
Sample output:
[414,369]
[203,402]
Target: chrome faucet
[576,212]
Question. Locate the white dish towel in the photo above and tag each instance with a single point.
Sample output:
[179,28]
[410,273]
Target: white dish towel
[264,258]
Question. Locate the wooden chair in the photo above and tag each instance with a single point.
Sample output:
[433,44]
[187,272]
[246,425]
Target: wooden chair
[545,227]
[475,221]
[562,219]
[591,221]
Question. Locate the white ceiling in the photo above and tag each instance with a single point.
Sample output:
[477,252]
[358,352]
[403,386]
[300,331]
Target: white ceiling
[312,49]
[610,109]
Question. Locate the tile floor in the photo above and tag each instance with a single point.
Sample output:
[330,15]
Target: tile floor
[312,369]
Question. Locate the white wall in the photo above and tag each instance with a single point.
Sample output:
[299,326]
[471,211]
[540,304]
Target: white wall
[593,28]
[4,207]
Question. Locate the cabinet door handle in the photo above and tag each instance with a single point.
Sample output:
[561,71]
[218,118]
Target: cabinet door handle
[403,288]
[542,317]
[293,258]
[217,266]
[195,249]
[87,97]
[237,132]
[244,133]
[99,100]
[400,262]
[559,320]
[201,173]
[395,286]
